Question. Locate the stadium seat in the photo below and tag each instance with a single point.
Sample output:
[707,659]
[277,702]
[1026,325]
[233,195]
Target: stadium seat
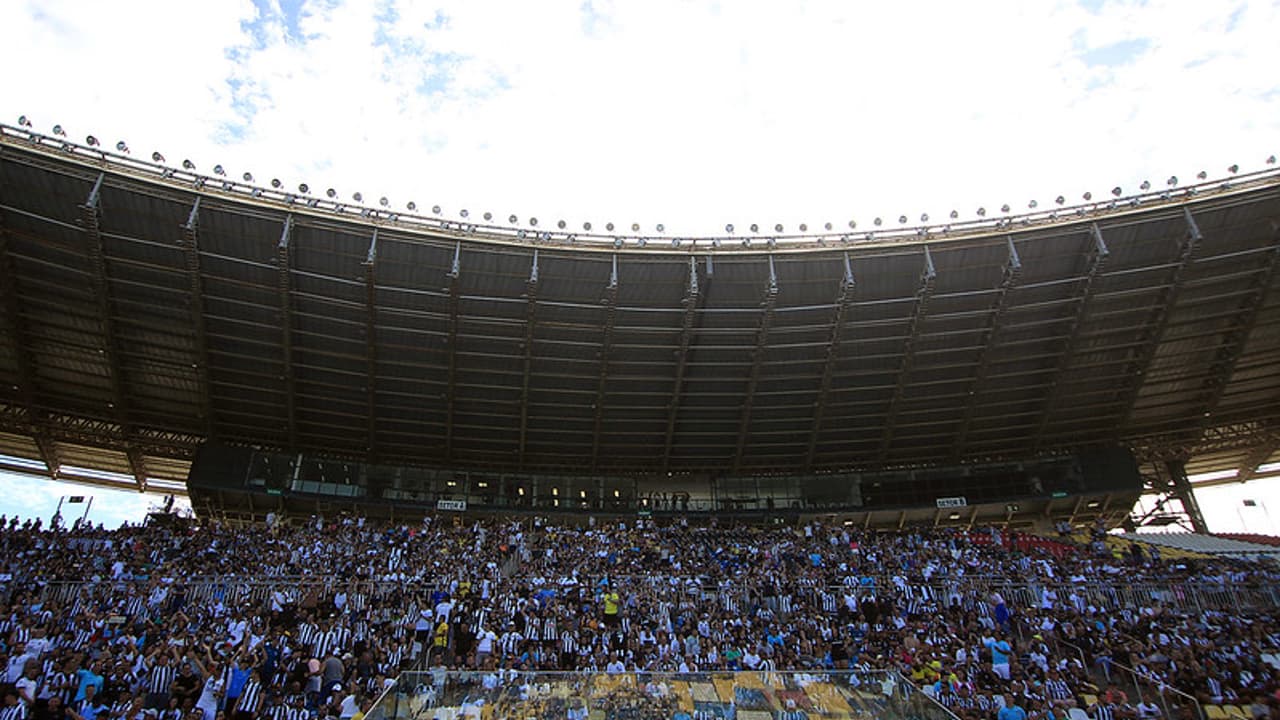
[1214,712]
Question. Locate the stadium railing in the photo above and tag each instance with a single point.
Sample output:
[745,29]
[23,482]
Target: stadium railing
[748,695]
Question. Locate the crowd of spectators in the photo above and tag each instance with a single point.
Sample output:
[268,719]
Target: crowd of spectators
[317,617]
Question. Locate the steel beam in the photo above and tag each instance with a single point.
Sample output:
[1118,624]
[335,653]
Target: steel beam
[19,340]
[1187,494]
[693,297]
[1008,281]
[1153,329]
[451,399]
[610,304]
[757,359]
[195,299]
[1237,333]
[91,224]
[1097,260]
[844,301]
[371,344]
[1257,456]
[284,288]
[924,291]
[530,316]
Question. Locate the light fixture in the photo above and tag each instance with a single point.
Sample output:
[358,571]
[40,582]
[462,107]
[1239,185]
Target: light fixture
[953,516]
[157,157]
[248,177]
[304,188]
[924,217]
[902,219]
[1146,185]
[1271,160]
[1233,169]
[1117,191]
[275,183]
[660,227]
[560,224]
[331,193]
[464,213]
[608,226]
[635,227]
[755,227]
[827,227]
[1172,181]
[520,234]
[57,130]
[188,165]
[1060,200]
[510,218]
[715,242]
[1088,196]
[383,201]
[616,493]
[877,222]
[1033,204]
[642,242]
[358,197]
[955,214]
[586,226]
[729,228]
[91,141]
[122,146]
[1202,175]
[617,242]
[488,216]
[1004,208]
[411,205]
[23,121]
[219,170]
[982,212]
[804,227]
[533,222]
[777,228]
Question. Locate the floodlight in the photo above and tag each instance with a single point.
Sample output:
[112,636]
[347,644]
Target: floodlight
[533,222]
[275,183]
[635,227]
[357,197]
[1202,175]
[331,193]
[982,212]
[488,216]
[660,227]
[729,228]
[383,201]
[1060,200]
[520,234]
[955,214]
[716,242]
[608,226]
[411,206]
[122,146]
[188,165]
[1146,185]
[560,224]
[157,157]
[57,130]
[304,188]
[1172,181]
[219,170]
[777,228]
[755,227]
[510,218]
[23,121]
[91,141]
[1233,169]
[464,212]
[1004,208]
[853,224]
[1088,196]
[877,222]
[586,226]
[617,242]
[804,227]
[1033,204]
[642,242]
[1271,160]
[924,217]
[827,227]
[902,219]
[248,177]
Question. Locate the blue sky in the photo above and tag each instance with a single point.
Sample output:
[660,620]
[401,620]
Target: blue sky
[688,113]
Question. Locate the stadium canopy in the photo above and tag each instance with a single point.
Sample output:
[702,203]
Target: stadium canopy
[147,309]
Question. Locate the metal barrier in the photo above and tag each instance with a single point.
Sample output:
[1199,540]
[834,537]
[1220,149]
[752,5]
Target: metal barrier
[748,695]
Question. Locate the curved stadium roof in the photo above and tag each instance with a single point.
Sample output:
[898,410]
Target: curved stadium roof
[146,309]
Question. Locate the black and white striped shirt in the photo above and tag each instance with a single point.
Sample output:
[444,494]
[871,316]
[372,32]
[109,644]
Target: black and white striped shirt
[160,678]
[250,697]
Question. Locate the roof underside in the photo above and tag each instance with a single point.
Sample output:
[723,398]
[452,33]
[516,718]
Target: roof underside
[141,316]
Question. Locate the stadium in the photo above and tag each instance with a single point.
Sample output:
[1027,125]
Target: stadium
[502,467]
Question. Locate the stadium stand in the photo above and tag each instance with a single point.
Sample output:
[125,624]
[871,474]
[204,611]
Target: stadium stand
[323,617]
[1209,544]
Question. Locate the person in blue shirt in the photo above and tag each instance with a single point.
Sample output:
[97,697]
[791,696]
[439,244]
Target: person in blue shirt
[1011,710]
[87,678]
[1000,651]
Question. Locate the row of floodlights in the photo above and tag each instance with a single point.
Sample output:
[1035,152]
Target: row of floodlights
[383,201]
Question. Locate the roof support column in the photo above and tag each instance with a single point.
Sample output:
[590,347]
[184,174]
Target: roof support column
[1187,495]
[844,301]
[1097,260]
[284,287]
[924,291]
[371,344]
[610,303]
[688,325]
[195,300]
[90,223]
[451,399]
[757,358]
[530,312]
[1012,271]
